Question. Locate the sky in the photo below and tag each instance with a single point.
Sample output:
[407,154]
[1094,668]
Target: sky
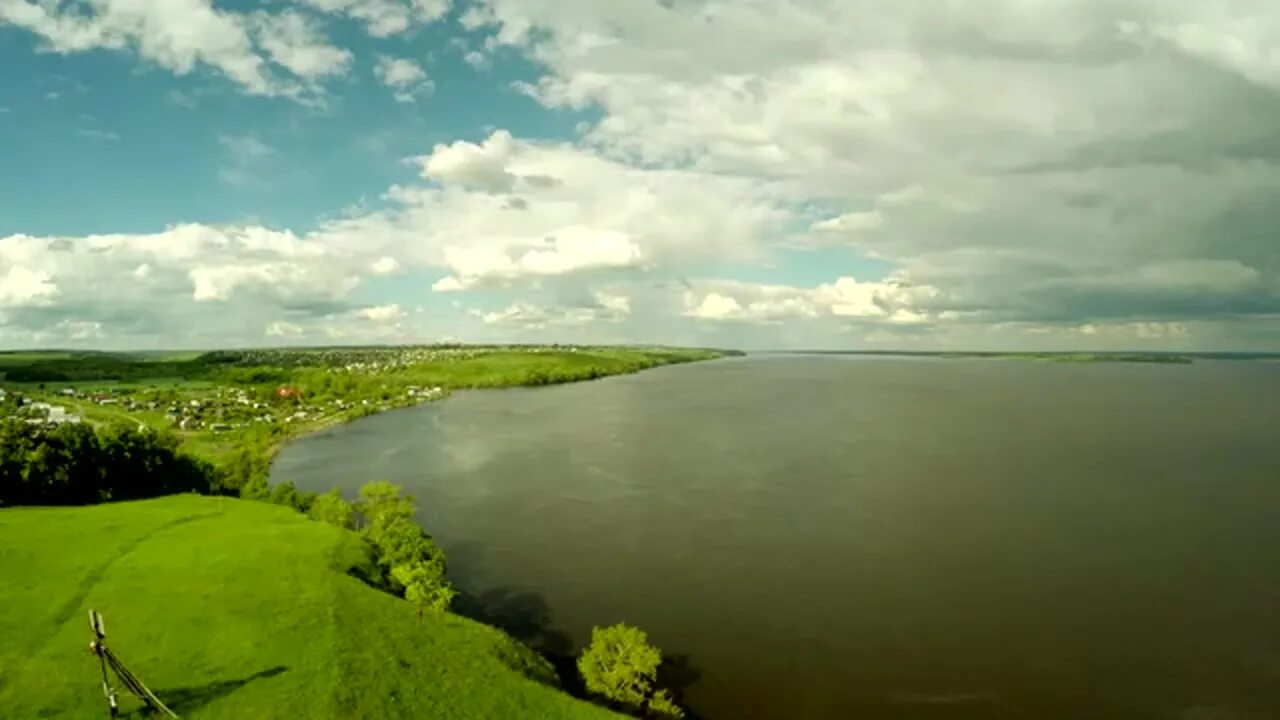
[825,174]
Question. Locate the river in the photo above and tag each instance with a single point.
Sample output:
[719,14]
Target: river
[846,537]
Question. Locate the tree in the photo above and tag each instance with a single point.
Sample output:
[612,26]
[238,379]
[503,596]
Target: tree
[286,493]
[333,509]
[405,551]
[257,488]
[387,523]
[425,584]
[381,503]
[620,665]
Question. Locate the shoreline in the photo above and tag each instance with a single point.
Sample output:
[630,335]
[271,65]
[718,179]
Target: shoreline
[339,420]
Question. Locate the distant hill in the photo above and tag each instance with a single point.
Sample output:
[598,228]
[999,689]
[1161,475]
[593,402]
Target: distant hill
[237,609]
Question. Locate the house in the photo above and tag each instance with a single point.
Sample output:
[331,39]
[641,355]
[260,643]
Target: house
[284,392]
[55,414]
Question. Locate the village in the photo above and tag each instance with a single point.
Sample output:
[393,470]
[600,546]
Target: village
[213,409]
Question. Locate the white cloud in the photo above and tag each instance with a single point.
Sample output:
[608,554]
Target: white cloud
[846,299]
[481,166]
[1043,169]
[186,282]
[283,328]
[525,315]
[997,151]
[405,77]
[510,212]
[382,313]
[568,250]
[181,35]
[851,222]
[21,286]
[295,42]
[384,18]
[1240,44]
[384,265]
[715,306]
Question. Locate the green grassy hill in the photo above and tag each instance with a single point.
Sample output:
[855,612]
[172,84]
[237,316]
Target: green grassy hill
[237,609]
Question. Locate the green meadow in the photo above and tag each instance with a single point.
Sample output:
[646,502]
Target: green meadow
[229,608]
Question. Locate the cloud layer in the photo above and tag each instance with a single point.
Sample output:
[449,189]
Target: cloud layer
[1020,173]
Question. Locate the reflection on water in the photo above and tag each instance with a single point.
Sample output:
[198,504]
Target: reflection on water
[874,538]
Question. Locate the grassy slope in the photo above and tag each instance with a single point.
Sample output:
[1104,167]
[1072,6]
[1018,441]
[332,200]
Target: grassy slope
[235,609]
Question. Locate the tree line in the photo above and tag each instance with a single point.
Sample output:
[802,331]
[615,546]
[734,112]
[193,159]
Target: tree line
[76,464]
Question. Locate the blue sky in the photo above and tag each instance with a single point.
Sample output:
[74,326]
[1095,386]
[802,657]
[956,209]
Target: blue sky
[793,173]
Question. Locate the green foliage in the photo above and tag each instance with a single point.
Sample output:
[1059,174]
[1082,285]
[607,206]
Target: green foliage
[257,488]
[287,494]
[72,464]
[620,665]
[425,584]
[661,705]
[330,507]
[410,561]
[245,466]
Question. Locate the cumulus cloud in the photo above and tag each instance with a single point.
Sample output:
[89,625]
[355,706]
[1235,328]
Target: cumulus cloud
[406,78]
[181,35]
[894,302]
[22,287]
[1002,171]
[384,265]
[482,166]
[295,43]
[571,249]
[383,18]
[528,316]
[189,280]
[381,313]
[1036,162]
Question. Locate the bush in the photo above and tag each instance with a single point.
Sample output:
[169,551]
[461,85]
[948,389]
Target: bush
[411,562]
[662,706]
[256,488]
[620,665]
[333,509]
[288,495]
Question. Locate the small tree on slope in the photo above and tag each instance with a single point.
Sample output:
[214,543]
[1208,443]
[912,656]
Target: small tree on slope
[622,666]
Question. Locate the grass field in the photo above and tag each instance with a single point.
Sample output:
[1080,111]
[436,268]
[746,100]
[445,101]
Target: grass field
[236,609]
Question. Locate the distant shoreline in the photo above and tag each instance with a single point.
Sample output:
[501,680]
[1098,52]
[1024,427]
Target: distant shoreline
[1158,357]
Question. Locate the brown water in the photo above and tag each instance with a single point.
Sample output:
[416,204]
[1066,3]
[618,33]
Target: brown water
[836,537]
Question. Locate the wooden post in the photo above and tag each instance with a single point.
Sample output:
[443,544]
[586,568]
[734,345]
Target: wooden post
[106,659]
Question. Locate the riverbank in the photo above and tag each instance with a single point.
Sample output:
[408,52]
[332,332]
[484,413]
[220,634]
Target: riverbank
[786,523]
[236,409]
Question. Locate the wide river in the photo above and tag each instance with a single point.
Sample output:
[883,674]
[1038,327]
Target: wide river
[841,537]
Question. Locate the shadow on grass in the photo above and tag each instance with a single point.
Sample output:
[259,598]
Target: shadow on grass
[526,617]
[188,699]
